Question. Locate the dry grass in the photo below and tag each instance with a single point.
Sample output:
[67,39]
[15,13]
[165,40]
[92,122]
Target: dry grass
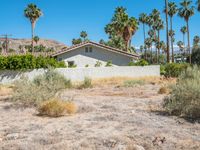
[163,90]
[120,80]
[56,108]
[5,90]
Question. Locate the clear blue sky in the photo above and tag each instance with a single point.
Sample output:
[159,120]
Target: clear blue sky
[64,19]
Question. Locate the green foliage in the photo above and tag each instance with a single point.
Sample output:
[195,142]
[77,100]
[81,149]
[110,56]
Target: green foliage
[162,70]
[173,69]
[43,87]
[98,64]
[23,62]
[109,64]
[133,83]
[196,55]
[87,83]
[185,95]
[141,62]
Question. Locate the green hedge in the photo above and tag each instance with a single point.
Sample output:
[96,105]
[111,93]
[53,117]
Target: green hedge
[141,62]
[173,69]
[23,62]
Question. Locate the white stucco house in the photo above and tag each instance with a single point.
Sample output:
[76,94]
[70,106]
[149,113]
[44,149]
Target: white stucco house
[90,53]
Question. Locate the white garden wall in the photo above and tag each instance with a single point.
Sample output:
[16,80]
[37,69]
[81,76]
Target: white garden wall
[78,74]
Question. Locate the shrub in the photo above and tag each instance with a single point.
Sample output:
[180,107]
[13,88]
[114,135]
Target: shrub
[141,62]
[87,83]
[174,69]
[41,88]
[56,108]
[98,64]
[108,64]
[163,90]
[28,61]
[133,83]
[87,66]
[185,95]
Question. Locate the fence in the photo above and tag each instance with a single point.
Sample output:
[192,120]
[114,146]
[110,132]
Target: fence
[78,74]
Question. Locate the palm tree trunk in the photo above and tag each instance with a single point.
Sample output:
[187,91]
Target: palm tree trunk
[32,31]
[167,31]
[144,41]
[188,35]
[158,46]
[151,54]
[172,46]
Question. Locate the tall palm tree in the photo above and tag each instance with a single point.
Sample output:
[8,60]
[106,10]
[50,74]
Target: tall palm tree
[171,12]
[148,44]
[171,35]
[33,13]
[159,25]
[167,31]
[187,11]
[143,20]
[155,14]
[183,31]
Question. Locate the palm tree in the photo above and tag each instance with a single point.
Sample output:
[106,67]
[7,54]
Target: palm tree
[155,15]
[167,31]
[83,35]
[131,26]
[196,41]
[122,26]
[171,12]
[143,20]
[33,13]
[159,25]
[171,35]
[36,39]
[187,11]
[148,44]
[183,31]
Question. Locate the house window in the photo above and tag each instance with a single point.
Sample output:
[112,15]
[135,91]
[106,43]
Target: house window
[86,49]
[90,49]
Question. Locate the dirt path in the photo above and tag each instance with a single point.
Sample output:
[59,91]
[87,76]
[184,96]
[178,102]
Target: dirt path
[109,118]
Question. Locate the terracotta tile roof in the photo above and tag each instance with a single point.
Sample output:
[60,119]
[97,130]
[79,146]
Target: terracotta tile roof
[97,45]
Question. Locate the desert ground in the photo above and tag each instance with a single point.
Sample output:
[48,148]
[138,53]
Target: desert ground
[109,117]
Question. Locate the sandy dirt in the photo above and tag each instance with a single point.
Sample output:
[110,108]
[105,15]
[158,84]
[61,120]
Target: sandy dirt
[109,118]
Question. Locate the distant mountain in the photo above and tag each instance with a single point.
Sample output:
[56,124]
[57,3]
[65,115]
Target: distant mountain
[15,43]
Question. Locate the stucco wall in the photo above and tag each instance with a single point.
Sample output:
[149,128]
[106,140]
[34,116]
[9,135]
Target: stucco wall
[78,74]
[81,58]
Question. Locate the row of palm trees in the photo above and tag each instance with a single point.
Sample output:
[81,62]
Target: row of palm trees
[155,23]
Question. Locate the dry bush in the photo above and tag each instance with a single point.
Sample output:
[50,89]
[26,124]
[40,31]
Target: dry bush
[185,95]
[163,90]
[56,108]
[133,83]
[87,83]
[43,87]
[70,107]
